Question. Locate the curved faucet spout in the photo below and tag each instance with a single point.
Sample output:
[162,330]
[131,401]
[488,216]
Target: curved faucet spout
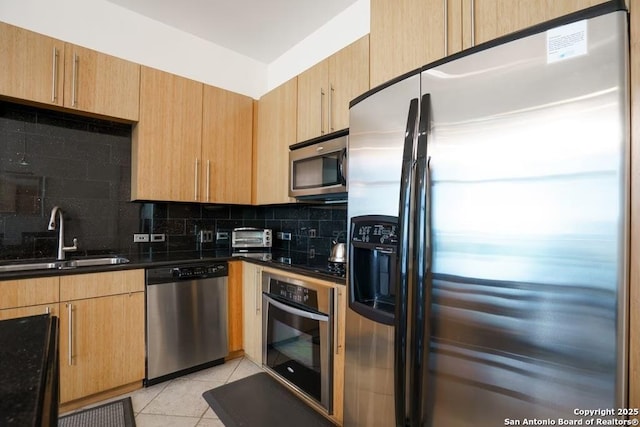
[56,213]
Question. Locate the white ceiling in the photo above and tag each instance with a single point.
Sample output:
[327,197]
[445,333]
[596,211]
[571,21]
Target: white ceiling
[260,29]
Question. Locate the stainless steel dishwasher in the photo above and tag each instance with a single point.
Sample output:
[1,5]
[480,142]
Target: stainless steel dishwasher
[186,319]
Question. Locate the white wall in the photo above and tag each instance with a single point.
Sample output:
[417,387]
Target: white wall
[109,28]
[342,30]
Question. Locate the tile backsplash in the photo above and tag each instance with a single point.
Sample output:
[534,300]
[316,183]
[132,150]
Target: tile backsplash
[312,227]
[83,165]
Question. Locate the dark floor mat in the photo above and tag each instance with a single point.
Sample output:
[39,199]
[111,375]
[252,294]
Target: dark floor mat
[261,401]
[112,414]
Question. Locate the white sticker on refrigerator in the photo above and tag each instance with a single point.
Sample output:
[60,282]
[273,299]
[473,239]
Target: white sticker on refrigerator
[567,41]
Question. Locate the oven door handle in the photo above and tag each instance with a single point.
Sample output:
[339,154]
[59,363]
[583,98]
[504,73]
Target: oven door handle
[296,311]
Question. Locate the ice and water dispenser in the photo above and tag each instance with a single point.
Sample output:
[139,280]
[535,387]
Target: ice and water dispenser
[372,266]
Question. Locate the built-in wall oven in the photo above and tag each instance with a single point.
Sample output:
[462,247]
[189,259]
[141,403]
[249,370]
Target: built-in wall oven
[298,335]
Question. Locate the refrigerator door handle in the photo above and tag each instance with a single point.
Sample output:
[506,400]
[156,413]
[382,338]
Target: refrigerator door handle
[404,259]
[421,273]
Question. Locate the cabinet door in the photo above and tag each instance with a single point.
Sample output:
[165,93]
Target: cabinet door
[348,78]
[338,352]
[404,36]
[313,93]
[101,344]
[235,306]
[33,310]
[227,146]
[495,18]
[28,292]
[101,84]
[276,131]
[32,65]
[166,147]
[252,314]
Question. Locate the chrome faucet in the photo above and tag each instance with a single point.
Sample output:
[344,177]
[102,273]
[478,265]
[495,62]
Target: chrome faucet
[56,211]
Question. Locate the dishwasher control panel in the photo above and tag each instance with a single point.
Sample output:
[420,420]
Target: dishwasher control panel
[186,272]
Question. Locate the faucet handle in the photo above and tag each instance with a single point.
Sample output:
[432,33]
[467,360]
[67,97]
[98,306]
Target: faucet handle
[71,248]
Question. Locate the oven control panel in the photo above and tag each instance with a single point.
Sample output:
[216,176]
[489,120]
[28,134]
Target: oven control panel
[294,293]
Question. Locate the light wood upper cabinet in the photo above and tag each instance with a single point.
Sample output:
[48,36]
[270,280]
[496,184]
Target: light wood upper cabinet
[102,333]
[227,146]
[100,83]
[313,106]
[348,78]
[276,130]
[324,90]
[45,70]
[404,36]
[495,18]
[32,65]
[166,143]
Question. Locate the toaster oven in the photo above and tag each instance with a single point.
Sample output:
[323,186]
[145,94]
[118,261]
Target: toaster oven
[251,238]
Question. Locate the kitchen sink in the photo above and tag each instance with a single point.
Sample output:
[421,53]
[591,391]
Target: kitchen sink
[63,265]
[30,266]
[90,262]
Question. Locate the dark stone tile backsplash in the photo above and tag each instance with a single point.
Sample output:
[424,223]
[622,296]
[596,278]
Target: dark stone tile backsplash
[312,227]
[83,165]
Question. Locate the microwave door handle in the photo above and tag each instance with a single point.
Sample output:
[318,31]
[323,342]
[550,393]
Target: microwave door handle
[341,167]
[296,311]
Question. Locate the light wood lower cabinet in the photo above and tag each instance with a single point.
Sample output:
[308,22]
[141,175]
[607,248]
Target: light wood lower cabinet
[234,307]
[29,297]
[101,332]
[252,313]
[32,310]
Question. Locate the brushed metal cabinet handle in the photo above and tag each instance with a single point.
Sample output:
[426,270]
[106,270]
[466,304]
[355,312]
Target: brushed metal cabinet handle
[70,312]
[445,4]
[208,178]
[195,181]
[257,293]
[321,111]
[54,75]
[336,322]
[74,80]
[473,23]
[331,90]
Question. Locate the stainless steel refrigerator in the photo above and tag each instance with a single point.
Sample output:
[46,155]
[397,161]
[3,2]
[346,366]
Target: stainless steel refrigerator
[488,233]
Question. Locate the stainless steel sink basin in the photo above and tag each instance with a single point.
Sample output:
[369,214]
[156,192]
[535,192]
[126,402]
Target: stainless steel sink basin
[30,266]
[90,262]
[62,265]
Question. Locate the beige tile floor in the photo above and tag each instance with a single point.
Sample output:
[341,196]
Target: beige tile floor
[179,402]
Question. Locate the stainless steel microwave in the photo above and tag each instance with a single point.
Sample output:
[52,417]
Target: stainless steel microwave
[318,168]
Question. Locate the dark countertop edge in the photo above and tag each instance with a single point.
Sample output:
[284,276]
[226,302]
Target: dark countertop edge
[137,264]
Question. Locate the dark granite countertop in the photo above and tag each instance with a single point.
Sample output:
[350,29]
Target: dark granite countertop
[289,261]
[24,363]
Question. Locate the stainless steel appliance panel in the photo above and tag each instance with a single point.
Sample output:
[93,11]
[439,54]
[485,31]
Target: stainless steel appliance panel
[525,294]
[377,133]
[186,324]
[298,336]
[529,207]
[317,168]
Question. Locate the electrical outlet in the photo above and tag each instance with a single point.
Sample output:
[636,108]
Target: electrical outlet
[140,237]
[312,232]
[283,236]
[206,236]
[158,237]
